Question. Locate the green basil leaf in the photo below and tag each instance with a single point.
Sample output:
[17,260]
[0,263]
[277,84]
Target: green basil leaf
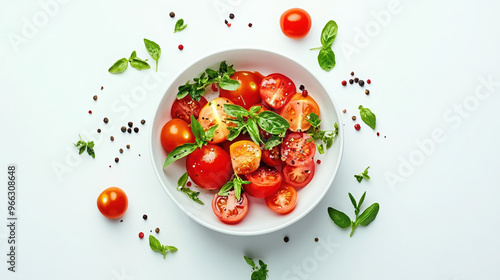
[90,151]
[358,178]
[339,218]
[179,25]
[237,190]
[329,33]
[209,135]
[191,194]
[179,152]
[253,131]
[353,201]
[182,180]
[82,149]
[272,142]
[313,119]
[361,200]
[254,109]
[224,191]
[329,142]
[233,133]
[321,148]
[154,50]
[368,117]
[229,84]
[368,215]
[272,122]
[119,66]
[212,74]
[133,55]
[139,64]
[229,70]
[171,248]
[155,244]
[235,110]
[197,129]
[326,59]
[249,261]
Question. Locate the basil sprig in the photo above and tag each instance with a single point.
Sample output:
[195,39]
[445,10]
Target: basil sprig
[83,146]
[258,272]
[362,175]
[179,25]
[343,221]
[181,186]
[327,136]
[249,122]
[197,89]
[119,66]
[233,184]
[326,57]
[201,136]
[138,63]
[158,247]
[367,116]
[154,50]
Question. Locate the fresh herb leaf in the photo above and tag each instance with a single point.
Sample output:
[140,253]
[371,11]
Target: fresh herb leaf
[272,142]
[83,146]
[154,50]
[179,25]
[181,186]
[258,272]
[329,33]
[235,184]
[362,175]
[272,122]
[367,116]
[119,66]
[235,111]
[227,83]
[158,247]
[138,63]
[368,215]
[316,133]
[339,218]
[326,57]
[179,152]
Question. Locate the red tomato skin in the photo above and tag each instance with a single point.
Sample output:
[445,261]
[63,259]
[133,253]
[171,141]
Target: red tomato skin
[264,182]
[248,94]
[185,107]
[226,144]
[227,215]
[272,157]
[175,133]
[209,167]
[295,23]
[298,149]
[284,192]
[298,176]
[276,90]
[112,203]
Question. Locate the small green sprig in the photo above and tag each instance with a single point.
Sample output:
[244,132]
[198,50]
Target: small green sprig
[122,64]
[258,272]
[362,175]
[222,77]
[326,136]
[235,184]
[326,57]
[83,146]
[179,25]
[158,247]
[181,186]
[154,50]
[343,221]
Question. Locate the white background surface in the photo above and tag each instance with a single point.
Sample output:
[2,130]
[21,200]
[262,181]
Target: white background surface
[439,220]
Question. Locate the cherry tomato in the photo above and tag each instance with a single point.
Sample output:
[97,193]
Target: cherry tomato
[245,156]
[264,182]
[297,110]
[209,167]
[213,113]
[295,23]
[298,149]
[276,90]
[185,107]
[272,157]
[248,94]
[283,201]
[226,144]
[112,203]
[228,209]
[175,133]
[298,176]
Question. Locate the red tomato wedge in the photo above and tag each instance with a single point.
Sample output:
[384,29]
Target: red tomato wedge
[185,107]
[264,182]
[297,110]
[298,176]
[298,149]
[228,209]
[276,90]
[245,156]
[283,201]
[272,157]
[213,113]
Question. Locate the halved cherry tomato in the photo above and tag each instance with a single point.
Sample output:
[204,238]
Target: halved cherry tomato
[264,182]
[213,113]
[297,110]
[295,23]
[228,209]
[284,200]
[276,90]
[298,149]
[112,203]
[248,94]
[245,156]
[175,133]
[298,176]
[209,167]
[226,144]
[185,107]
[272,157]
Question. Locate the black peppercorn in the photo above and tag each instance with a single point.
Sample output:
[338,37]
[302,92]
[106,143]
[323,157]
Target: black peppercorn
[112,138]
[172,14]
[130,124]
[95,97]
[143,121]
[145,217]
[117,159]
[231,15]
[124,129]
[136,129]
[106,120]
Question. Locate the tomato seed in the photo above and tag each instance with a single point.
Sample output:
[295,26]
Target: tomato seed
[181,47]
[344,83]
[129,130]
[121,151]
[128,146]
[141,235]
[102,87]
[225,21]
[302,87]
[357,126]
[368,81]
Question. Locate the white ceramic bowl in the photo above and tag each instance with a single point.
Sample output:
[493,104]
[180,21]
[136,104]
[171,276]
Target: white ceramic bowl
[260,219]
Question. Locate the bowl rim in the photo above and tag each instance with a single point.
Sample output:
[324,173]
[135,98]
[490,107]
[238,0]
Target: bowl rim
[340,139]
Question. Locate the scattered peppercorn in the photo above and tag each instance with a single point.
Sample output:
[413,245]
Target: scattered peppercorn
[368,81]
[102,87]
[286,239]
[356,80]
[250,25]
[112,138]
[121,151]
[141,235]
[378,133]
[129,130]
[117,159]
[143,121]
[121,221]
[361,83]
[172,14]
[136,129]
[225,21]
[188,184]
[302,87]
[367,92]
[352,73]
[316,239]
[344,111]
[90,112]
[305,93]
[228,24]
[124,129]
[95,97]
[231,16]
[98,130]
[130,124]
[351,81]
[106,120]
[145,217]
[128,146]
[357,126]
[353,118]
[318,161]
[344,83]
[157,230]
[181,47]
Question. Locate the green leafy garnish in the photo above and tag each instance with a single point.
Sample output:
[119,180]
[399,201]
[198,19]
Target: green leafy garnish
[181,186]
[258,272]
[343,221]
[83,146]
[326,136]
[138,63]
[201,136]
[367,116]
[154,50]
[197,89]
[158,247]
[179,25]
[233,184]
[119,66]
[326,57]
[362,175]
